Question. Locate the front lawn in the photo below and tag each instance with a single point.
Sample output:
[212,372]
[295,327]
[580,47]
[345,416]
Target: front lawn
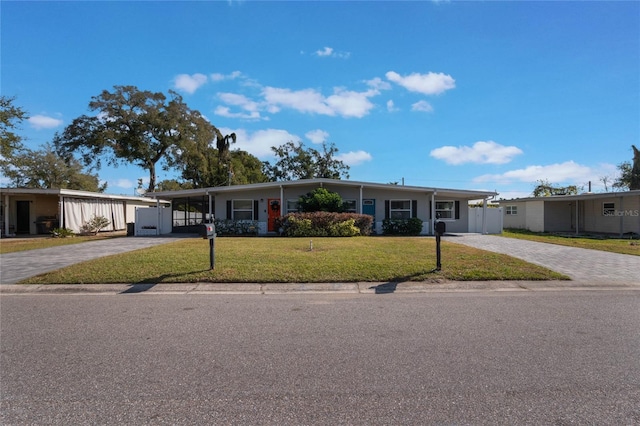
[255,259]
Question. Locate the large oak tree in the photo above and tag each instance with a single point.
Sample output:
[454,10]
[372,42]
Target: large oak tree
[135,126]
[10,118]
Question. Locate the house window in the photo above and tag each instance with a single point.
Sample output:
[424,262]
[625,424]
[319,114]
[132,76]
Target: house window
[350,206]
[608,209]
[445,209]
[400,209]
[242,209]
[511,210]
[293,206]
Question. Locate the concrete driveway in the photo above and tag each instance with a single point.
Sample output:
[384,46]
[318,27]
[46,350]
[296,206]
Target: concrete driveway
[20,265]
[582,265]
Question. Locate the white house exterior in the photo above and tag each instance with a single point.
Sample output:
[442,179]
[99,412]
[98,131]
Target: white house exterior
[264,202]
[615,213]
[25,211]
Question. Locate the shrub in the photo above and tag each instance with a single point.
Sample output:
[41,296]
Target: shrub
[319,224]
[344,229]
[320,199]
[62,233]
[229,227]
[411,226]
[95,225]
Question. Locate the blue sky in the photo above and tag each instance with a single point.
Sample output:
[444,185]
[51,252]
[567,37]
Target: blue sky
[467,95]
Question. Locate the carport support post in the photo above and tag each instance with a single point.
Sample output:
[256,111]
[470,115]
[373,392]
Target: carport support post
[6,214]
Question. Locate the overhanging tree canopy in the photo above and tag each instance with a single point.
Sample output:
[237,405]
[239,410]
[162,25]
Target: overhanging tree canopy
[134,126]
[297,162]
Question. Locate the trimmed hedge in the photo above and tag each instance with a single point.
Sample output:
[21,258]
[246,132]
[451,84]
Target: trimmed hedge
[411,226]
[228,227]
[325,224]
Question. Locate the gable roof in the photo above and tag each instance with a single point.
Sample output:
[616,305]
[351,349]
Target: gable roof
[320,182]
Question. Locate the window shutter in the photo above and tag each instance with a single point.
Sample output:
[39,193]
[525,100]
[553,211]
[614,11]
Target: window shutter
[387,208]
[414,208]
[229,212]
[430,209]
[457,203]
[255,209]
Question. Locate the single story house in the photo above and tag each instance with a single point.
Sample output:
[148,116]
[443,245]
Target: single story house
[36,211]
[615,213]
[263,203]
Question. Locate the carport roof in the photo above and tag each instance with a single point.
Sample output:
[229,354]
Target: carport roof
[456,193]
[75,193]
[585,196]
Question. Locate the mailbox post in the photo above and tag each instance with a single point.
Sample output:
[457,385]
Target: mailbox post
[208,232]
[441,228]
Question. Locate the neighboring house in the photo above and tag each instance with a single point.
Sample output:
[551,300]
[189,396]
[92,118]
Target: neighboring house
[37,211]
[615,213]
[263,203]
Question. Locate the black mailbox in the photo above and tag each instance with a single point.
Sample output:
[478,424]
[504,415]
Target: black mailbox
[441,228]
[207,231]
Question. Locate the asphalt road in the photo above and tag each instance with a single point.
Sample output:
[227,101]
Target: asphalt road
[547,357]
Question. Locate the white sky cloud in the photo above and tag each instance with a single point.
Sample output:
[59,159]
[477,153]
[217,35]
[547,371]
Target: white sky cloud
[391,107]
[122,183]
[252,108]
[427,84]
[259,143]
[353,158]
[348,103]
[39,122]
[224,111]
[317,136]
[220,77]
[480,153]
[558,173]
[189,83]
[307,100]
[330,52]
[327,51]
[378,84]
[343,102]
[422,106]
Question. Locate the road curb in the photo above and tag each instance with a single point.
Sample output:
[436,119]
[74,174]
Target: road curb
[307,288]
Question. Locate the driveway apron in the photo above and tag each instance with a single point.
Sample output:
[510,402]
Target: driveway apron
[582,265]
[24,264]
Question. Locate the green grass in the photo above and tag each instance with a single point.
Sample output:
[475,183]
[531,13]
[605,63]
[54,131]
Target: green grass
[614,245]
[11,245]
[373,259]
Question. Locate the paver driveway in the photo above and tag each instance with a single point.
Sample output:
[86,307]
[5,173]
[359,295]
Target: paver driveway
[582,265]
[24,264]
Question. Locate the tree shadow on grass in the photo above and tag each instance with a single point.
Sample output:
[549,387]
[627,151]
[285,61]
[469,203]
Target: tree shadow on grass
[391,286]
[149,283]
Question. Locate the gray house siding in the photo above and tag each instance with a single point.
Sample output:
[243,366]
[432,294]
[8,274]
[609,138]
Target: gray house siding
[258,196]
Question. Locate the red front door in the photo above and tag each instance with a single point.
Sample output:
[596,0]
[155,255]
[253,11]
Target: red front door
[274,213]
